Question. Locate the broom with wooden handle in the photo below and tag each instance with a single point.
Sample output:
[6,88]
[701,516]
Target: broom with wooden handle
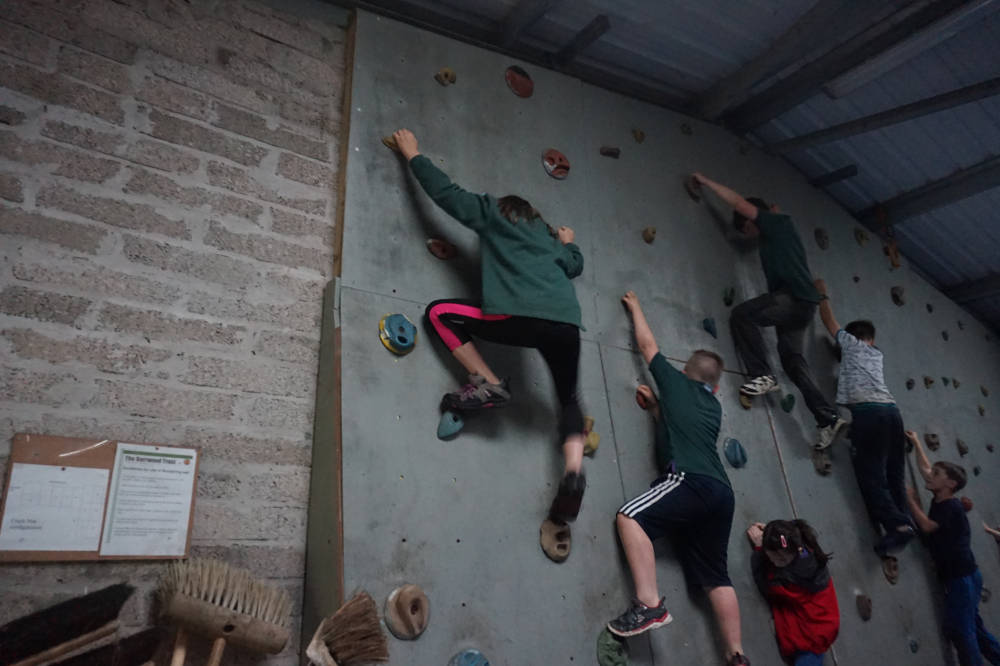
[350,636]
[230,606]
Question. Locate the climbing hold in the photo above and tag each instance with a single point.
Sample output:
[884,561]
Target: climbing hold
[649,234]
[976,470]
[930,308]
[746,402]
[640,399]
[591,440]
[955,382]
[788,403]
[864,604]
[519,81]
[469,657]
[928,381]
[822,238]
[556,539]
[985,391]
[441,248]
[944,334]
[686,129]
[611,650]
[857,279]
[389,141]
[989,447]
[638,135]
[450,425]
[966,503]
[693,188]
[709,325]
[728,296]
[960,325]
[821,462]
[932,440]
[555,163]
[985,594]
[860,235]
[397,333]
[890,569]
[962,447]
[910,384]
[734,452]
[407,612]
[897,295]
[914,645]
[446,76]
[610,151]
[945,381]
[982,410]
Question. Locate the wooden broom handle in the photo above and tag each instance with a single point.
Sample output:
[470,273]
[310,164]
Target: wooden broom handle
[70,645]
[180,648]
[217,647]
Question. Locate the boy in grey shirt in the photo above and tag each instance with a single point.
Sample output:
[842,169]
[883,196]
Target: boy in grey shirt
[876,430]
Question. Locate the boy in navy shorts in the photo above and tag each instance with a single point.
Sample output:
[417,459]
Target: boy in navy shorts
[691,502]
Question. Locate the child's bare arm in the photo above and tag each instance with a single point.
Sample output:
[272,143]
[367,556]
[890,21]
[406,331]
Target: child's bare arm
[995,533]
[925,524]
[826,309]
[732,198]
[643,334]
[923,464]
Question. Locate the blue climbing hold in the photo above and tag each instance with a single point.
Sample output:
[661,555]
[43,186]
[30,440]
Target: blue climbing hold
[709,325]
[470,657]
[735,453]
[397,333]
[450,425]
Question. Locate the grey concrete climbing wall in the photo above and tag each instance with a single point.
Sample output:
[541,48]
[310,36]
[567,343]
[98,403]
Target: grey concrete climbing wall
[461,517]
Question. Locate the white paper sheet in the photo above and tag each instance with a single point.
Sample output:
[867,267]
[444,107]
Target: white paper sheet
[50,507]
[149,505]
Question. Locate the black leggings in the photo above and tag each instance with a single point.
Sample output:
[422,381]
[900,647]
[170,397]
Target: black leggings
[458,320]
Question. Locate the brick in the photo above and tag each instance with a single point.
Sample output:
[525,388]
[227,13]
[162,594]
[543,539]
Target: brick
[92,69]
[256,127]
[60,90]
[172,97]
[157,325]
[10,116]
[282,28]
[24,44]
[218,485]
[103,427]
[42,305]
[161,156]
[293,224]
[71,163]
[302,316]
[211,267]
[101,354]
[39,388]
[238,180]
[281,414]
[152,400]
[229,520]
[271,250]
[261,560]
[109,143]
[10,188]
[115,212]
[288,486]
[45,18]
[288,286]
[99,281]
[184,133]
[287,347]
[70,235]
[148,152]
[240,449]
[305,171]
[159,185]
[250,377]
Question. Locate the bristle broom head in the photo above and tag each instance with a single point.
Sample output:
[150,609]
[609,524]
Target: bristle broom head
[234,589]
[353,635]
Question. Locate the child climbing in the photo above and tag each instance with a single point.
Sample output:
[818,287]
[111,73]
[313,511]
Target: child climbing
[879,446]
[790,570]
[948,535]
[789,306]
[528,301]
[691,501]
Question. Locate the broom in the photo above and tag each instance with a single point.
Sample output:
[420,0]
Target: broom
[226,604]
[350,636]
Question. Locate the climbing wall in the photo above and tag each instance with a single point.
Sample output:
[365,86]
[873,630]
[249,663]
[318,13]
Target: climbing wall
[460,517]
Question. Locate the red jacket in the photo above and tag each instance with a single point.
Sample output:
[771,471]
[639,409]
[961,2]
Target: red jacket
[803,603]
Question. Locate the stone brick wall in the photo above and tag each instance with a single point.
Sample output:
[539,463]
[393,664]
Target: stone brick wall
[166,219]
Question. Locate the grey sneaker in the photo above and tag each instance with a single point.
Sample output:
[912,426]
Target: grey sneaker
[640,618]
[477,394]
[760,385]
[829,433]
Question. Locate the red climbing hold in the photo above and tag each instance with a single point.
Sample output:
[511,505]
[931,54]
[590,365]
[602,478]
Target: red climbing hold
[519,81]
[556,164]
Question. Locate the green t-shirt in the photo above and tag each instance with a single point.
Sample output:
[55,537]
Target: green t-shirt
[783,257]
[690,417]
[526,272]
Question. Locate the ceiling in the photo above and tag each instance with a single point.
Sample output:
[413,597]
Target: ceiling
[907,94]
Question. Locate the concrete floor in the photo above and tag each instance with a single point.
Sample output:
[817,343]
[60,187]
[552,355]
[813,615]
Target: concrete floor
[460,518]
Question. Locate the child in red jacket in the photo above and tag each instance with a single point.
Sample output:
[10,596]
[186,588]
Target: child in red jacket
[790,570]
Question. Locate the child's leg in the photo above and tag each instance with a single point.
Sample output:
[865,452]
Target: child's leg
[988,644]
[559,345]
[872,433]
[791,338]
[454,320]
[961,601]
[895,466]
[641,559]
[726,608]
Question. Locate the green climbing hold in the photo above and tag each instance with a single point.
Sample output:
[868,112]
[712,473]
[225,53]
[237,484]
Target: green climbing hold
[734,452]
[729,295]
[709,325]
[788,403]
[611,650]
[450,425]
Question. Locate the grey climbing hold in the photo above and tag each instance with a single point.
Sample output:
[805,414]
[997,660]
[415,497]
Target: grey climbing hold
[932,440]
[734,452]
[611,151]
[930,308]
[822,238]
[709,325]
[989,447]
[788,403]
[985,594]
[864,605]
[963,448]
[450,425]
[944,334]
[910,384]
[960,325]
[897,295]
[686,129]
[914,645]
[976,470]
[857,279]
[945,381]
[955,382]
[729,295]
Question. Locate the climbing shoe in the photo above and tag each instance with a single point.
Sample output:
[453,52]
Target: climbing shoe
[829,433]
[566,506]
[760,385]
[640,618]
[738,659]
[477,394]
[894,541]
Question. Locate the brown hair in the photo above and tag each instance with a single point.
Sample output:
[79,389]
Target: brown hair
[790,535]
[954,472]
[514,209]
[739,221]
[707,365]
